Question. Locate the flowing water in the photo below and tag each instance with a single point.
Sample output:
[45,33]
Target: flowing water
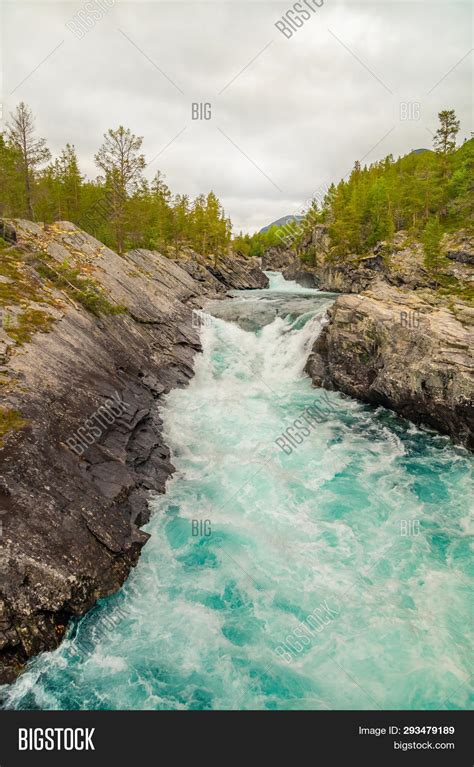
[332,574]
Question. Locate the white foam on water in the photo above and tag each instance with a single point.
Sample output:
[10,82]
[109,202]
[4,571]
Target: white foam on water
[202,616]
[279,284]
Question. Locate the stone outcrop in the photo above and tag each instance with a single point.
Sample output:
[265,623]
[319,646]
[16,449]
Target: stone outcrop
[239,273]
[459,247]
[88,351]
[408,351]
[287,261]
[399,262]
[400,341]
[405,340]
[227,272]
[277,259]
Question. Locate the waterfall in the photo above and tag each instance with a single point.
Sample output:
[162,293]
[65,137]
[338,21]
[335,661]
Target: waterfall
[330,574]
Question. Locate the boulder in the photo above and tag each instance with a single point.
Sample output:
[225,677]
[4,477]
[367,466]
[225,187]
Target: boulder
[408,352]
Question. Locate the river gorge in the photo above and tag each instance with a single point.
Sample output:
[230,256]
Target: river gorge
[331,575]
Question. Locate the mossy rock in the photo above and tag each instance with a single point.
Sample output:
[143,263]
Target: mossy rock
[82,289]
[10,420]
[28,323]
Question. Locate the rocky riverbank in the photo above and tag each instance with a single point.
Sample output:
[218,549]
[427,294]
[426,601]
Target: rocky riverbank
[411,353]
[406,339]
[89,342]
[399,262]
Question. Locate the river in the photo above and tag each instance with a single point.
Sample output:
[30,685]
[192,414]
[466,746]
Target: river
[331,573]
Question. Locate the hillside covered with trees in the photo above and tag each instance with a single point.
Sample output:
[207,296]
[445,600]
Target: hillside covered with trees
[255,245]
[425,193]
[120,207]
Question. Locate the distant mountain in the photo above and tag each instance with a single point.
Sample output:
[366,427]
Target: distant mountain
[419,151]
[282,221]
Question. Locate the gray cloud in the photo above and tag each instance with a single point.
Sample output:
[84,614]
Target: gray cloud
[302,111]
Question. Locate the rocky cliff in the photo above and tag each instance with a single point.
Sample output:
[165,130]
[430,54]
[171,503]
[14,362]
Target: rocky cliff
[90,341]
[228,272]
[405,340]
[411,353]
[399,262]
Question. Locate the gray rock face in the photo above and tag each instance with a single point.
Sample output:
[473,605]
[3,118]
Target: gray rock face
[463,256]
[291,266]
[74,480]
[397,265]
[276,259]
[398,342]
[229,271]
[409,353]
[203,276]
[239,273]
[460,247]
[337,278]
[400,262]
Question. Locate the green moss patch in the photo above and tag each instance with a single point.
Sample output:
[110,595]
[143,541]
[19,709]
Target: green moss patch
[80,288]
[18,284]
[10,420]
[28,323]
[450,286]
[21,286]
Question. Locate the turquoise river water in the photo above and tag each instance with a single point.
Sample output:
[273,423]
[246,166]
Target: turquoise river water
[334,575]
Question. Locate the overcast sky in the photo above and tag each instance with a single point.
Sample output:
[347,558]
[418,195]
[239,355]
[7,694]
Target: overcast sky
[288,115]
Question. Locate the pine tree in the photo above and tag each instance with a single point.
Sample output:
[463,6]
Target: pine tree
[120,159]
[162,222]
[71,182]
[32,151]
[12,191]
[180,221]
[199,225]
[445,137]
[432,235]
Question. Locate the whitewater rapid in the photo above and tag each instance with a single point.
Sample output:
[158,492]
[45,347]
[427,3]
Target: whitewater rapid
[332,576]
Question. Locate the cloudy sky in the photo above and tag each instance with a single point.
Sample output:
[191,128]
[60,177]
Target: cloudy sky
[288,114]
